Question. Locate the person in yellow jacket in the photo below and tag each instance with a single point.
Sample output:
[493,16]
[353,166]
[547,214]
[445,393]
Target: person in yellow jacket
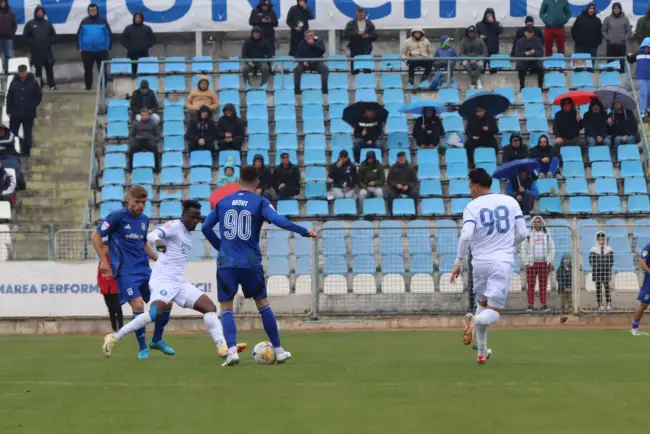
[201,96]
[419,47]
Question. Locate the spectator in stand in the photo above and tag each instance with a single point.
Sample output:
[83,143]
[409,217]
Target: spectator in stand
[23,97]
[264,18]
[472,46]
[367,134]
[8,27]
[446,51]
[94,41]
[642,73]
[488,30]
[344,177]
[228,176]
[427,129]
[203,95]
[623,126]
[617,31]
[548,157]
[516,149]
[7,186]
[530,46]
[402,180]
[529,21]
[108,288]
[256,47]
[642,29]
[418,46]
[202,132]
[286,178]
[565,284]
[371,177]
[360,33]
[587,31]
[144,98]
[137,38]
[311,48]
[566,125]
[601,259]
[524,189]
[298,21]
[538,254]
[40,35]
[7,143]
[554,14]
[265,186]
[481,132]
[230,130]
[594,122]
[144,137]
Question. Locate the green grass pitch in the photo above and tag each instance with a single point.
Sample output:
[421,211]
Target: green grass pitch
[538,381]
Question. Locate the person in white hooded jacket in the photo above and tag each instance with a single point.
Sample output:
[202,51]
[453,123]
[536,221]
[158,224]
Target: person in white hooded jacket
[538,254]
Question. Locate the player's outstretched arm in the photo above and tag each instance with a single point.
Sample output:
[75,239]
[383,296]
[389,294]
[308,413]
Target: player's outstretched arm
[273,217]
[208,225]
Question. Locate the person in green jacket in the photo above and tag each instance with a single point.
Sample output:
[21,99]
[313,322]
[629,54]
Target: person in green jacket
[643,27]
[371,177]
[555,14]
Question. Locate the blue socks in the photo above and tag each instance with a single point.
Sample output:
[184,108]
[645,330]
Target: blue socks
[635,324]
[140,333]
[161,321]
[229,328]
[270,325]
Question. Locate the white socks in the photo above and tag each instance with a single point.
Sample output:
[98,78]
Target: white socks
[487,317]
[137,323]
[481,339]
[484,317]
[211,320]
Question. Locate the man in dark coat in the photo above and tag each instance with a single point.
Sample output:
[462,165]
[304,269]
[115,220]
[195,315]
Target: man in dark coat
[549,157]
[298,21]
[566,125]
[40,35]
[427,129]
[516,149]
[8,28]
[144,137]
[94,41]
[587,31]
[23,97]
[594,123]
[286,178]
[264,17]
[481,132]
[623,127]
[367,134]
[137,38]
[488,30]
[402,180]
[145,98]
[230,130]
[343,174]
[360,33]
[265,185]
[529,21]
[311,48]
[256,47]
[201,133]
[530,46]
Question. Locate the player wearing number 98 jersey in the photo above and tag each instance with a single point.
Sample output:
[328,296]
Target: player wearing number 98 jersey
[240,217]
[493,225]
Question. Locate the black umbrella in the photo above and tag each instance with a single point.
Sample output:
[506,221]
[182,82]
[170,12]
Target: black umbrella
[355,113]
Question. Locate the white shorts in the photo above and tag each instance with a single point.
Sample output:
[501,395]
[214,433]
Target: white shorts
[491,282]
[182,293]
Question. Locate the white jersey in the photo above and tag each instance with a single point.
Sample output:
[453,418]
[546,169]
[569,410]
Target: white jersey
[178,240]
[490,224]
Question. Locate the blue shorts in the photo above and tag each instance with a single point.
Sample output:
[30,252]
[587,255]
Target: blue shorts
[133,286]
[251,280]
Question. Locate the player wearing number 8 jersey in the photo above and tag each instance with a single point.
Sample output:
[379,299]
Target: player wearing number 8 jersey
[240,217]
[493,225]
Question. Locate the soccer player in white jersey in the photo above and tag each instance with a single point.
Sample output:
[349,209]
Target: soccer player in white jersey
[167,282]
[493,225]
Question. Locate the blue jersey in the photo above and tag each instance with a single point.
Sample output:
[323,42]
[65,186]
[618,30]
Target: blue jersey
[240,217]
[127,236]
[645,255]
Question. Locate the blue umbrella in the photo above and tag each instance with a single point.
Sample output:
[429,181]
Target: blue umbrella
[493,103]
[417,107]
[511,169]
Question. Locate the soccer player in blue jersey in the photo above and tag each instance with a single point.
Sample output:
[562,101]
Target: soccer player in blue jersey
[240,217]
[644,293]
[129,252]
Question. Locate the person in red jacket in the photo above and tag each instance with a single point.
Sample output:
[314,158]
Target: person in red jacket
[108,288]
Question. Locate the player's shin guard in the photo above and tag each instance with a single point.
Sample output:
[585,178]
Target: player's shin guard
[161,322]
[271,326]
[137,325]
[213,324]
[487,317]
[229,328]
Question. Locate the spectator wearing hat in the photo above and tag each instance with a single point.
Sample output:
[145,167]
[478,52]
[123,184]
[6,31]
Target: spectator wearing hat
[594,122]
[256,47]
[201,96]
[418,47]
[137,38]
[371,177]
[488,30]
[344,177]
[144,98]
[40,35]
[264,18]
[529,21]
[515,150]
[642,29]
[616,32]
[530,46]
[555,14]
[427,129]
[623,126]
[94,41]
[587,31]
[524,189]
[444,52]
[265,185]
[298,21]
[360,33]
[473,46]
[230,130]
[286,178]
[548,156]
[23,97]
[311,48]
[202,132]
[481,132]
[402,180]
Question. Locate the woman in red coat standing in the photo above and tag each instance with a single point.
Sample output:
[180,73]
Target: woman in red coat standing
[108,288]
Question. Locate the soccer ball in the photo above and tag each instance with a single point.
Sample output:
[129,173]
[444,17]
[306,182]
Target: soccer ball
[264,353]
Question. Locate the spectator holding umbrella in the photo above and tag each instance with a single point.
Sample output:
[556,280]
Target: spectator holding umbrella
[516,149]
[137,38]
[587,31]
[481,132]
[427,129]
[298,21]
[524,189]
[368,119]
[642,73]
[623,126]
[594,122]
[547,156]
[40,35]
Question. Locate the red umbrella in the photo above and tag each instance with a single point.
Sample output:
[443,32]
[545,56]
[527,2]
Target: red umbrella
[579,97]
[223,191]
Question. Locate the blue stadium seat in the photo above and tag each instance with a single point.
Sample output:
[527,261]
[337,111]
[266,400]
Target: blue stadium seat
[499,61]
[258,141]
[202,64]
[599,153]
[393,110]
[288,208]
[571,153]
[536,124]
[580,204]
[170,209]
[605,186]
[315,174]
[315,157]
[341,141]
[117,114]
[471,92]
[259,112]
[338,97]
[312,112]
[142,176]
[582,79]
[283,81]
[173,128]
[396,125]
[316,190]
[345,207]
[391,81]
[613,230]
[364,62]
[458,204]
[316,141]
[112,102]
[171,195]
[428,156]
[112,193]
[489,167]
[555,92]
[337,62]
[174,113]
[117,130]
[554,79]
[391,62]
[574,169]
[310,82]
[548,186]
[175,65]
[448,96]
[337,81]
[531,94]
[284,63]
[430,171]
[143,159]
[602,169]
[509,124]
[508,92]
[303,248]
[392,264]
[287,142]
[229,81]
[623,262]
[419,236]
[259,126]
[336,111]
[171,176]
[118,68]
[317,208]
[557,63]
[285,126]
[457,171]
[284,97]
[335,265]
[453,123]
[312,97]
[108,207]
[365,81]
[313,126]
[364,264]
[532,110]
[337,126]
[422,264]
[581,61]
[175,83]
[199,191]
[256,97]
[393,96]
[204,158]
[609,204]
[398,140]
[635,186]
[550,205]
[201,174]
[576,186]
[485,155]
[458,187]
[447,263]
[433,206]
[365,95]
[628,153]
[374,206]
[638,204]
[631,169]
[113,177]
[456,155]
[403,207]
[229,66]
[610,78]
[115,161]
[229,97]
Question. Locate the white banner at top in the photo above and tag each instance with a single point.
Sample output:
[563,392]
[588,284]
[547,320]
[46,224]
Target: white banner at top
[230,15]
